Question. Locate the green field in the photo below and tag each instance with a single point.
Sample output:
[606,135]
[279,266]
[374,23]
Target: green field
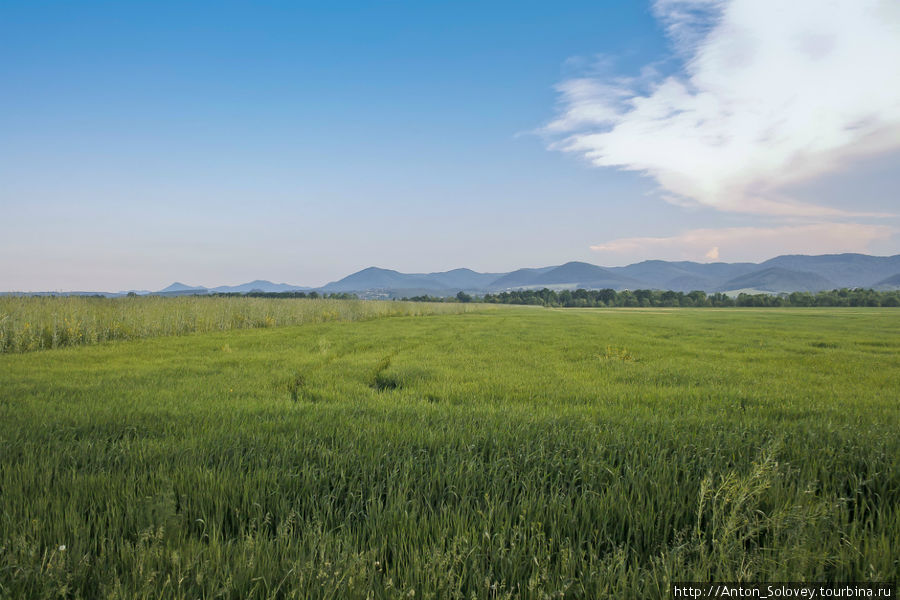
[509,453]
[29,323]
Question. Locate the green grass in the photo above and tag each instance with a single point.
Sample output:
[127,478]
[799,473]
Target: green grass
[523,452]
[29,323]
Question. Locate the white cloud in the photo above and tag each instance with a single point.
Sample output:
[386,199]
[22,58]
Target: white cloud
[732,244]
[773,93]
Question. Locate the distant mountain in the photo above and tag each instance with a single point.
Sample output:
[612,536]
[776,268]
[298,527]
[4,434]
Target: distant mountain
[463,279]
[575,274]
[846,270]
[775,279]
[518,278]
[780,274]
[717,270]
[260,285]
[374,278]
[180,287]
[684,276]
[185,292]
[688,283]
[889,283]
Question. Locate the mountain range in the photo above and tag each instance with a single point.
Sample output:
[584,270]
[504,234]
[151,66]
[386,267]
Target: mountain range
[788,273]
[259,285]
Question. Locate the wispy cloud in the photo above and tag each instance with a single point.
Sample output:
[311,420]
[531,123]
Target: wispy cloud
[772,93]
[748,243]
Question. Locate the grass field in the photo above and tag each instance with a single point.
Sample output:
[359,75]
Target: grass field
[517,453]
[29,323]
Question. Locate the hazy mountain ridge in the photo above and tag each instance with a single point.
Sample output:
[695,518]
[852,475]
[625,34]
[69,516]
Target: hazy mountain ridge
[519,277]
[848,270]
[780,274]
[258,285]
[786,273]
[685,276]
[889,283]
[776,279]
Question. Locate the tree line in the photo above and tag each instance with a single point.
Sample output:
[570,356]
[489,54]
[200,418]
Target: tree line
[658,298]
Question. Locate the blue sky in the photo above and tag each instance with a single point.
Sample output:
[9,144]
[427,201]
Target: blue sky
[216,143]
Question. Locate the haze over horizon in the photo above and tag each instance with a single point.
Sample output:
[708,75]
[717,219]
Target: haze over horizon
[219,143]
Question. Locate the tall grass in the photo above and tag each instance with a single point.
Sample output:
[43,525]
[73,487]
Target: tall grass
[44,322]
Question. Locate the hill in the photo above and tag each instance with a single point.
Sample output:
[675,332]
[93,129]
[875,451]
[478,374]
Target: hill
[775,279]
[845,270]
[463,279]
[179,287]
[518,278]
[889,283]
[684,276]
[259,285]
[580,274]
[374,278]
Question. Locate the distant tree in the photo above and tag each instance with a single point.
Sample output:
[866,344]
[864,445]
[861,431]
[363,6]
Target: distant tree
[698,298]
[611,298]
[463,297]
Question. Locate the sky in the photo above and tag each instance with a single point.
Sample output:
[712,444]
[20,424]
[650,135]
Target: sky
[215,143]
